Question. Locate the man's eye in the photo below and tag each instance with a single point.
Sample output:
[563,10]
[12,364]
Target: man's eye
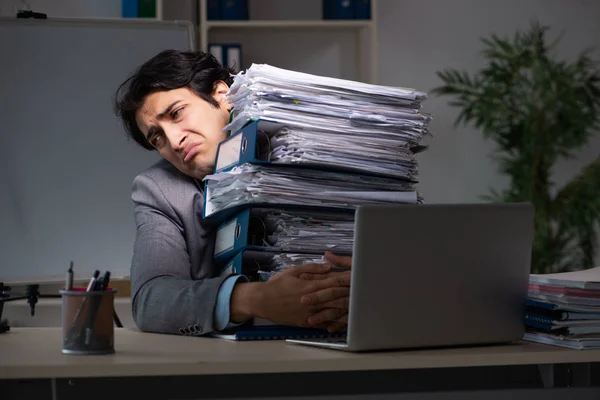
[156,140]
[176,113]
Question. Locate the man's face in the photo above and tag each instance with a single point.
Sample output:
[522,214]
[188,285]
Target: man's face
[184,128]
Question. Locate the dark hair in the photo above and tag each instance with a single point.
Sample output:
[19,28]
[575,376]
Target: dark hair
[168,70]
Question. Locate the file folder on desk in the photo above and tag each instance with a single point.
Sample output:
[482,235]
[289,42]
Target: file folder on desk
[285,230]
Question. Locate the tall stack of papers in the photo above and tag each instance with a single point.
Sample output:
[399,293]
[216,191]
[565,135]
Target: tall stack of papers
[563,309]
[303,152]
[305,140]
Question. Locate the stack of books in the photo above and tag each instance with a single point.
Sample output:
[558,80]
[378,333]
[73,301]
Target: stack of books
[563,309]
[303,152]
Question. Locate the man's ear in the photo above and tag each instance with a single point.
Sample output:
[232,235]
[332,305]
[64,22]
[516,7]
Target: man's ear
[220,89]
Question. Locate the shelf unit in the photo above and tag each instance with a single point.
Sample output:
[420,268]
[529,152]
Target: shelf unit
[365,32]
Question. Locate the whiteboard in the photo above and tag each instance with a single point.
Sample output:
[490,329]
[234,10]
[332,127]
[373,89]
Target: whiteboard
[66,164]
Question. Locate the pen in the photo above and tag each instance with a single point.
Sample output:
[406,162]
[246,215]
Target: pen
[105,280]
[92,284]
[69,285]
[73,332]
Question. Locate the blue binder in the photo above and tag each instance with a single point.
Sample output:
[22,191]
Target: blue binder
[362,9]
[251,144]
[247,230]
[338,9]
[235,235]
[248,145]
[234,9]
[129,9]
[213,9]
[244,262]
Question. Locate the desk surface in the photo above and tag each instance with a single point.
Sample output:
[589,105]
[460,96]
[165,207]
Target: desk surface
[35,353]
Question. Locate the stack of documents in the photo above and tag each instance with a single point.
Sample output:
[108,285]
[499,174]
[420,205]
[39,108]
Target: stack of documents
[303,100]
[309,232]
[335,122]
[303,152]
[258,185]
[563,309]
[281,261]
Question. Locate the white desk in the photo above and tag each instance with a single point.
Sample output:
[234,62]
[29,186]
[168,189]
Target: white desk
[210,367]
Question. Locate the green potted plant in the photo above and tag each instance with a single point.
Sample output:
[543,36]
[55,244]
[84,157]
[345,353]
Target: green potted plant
[538,110]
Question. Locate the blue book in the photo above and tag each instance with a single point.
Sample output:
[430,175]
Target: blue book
[213,9]
[129,8]
[338,9]
[362,9]
[234,9]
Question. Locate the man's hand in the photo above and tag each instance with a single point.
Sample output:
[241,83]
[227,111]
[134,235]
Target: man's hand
[280,299]
[331,308]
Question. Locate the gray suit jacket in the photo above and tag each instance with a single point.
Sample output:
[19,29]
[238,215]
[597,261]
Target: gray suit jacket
[173,280]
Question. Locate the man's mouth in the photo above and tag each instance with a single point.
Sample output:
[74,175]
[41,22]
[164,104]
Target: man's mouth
[190,152]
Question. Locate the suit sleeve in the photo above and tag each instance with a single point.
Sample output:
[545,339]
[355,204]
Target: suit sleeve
[165,299]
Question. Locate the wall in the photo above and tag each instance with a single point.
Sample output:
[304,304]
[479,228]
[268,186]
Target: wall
[419,38]
[416,39]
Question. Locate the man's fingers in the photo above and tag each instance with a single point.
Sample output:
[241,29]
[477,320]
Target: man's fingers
[339,279]
[312,268]
[338,261]
[341,325]
[325,295]
[325,315]
[316,277]
[342,302]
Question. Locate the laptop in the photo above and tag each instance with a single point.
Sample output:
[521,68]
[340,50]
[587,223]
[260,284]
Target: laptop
[437,275]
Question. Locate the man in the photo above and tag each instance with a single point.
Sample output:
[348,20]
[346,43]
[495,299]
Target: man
[176,104]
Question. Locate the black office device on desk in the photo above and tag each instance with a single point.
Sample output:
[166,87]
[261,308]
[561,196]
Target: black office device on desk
[32,294]
[31,14]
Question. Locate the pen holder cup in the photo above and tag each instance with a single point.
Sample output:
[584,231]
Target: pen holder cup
[87,321]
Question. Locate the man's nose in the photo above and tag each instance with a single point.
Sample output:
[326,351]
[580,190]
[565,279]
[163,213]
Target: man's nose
[177,137]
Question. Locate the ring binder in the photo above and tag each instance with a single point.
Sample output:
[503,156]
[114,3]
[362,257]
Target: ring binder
[285,230]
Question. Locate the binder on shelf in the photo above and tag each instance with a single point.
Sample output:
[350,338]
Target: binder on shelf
[129,8]
[338,9]
[227,54]
[213,9]
[217,51]
[233,57]
[147,8]
[234,9]
[362,9]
